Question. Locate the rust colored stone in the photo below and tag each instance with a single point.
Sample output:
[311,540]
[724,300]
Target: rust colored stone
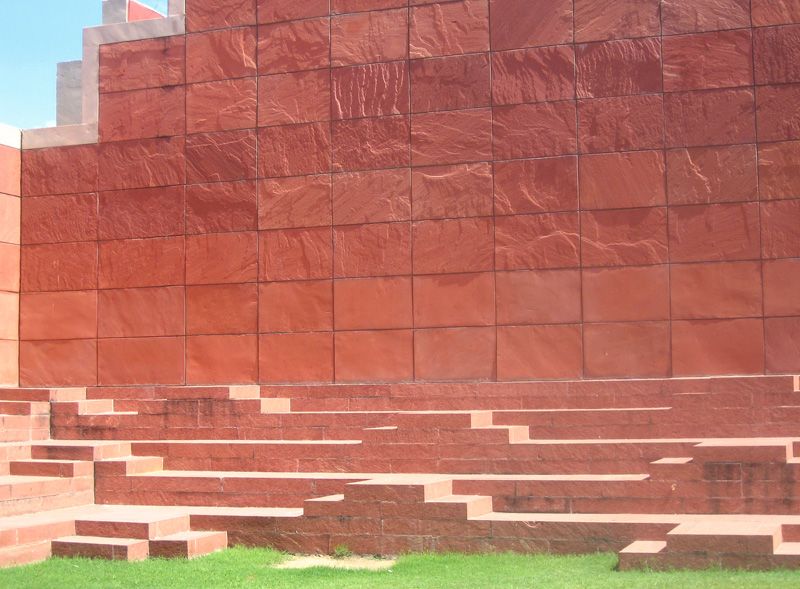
[693,16]
[296,357]
[538,296]
[451,137]
[470,246]
[370,144]
[777,54]
[622,180]
[222,309]
[778,164]
[10,163]
[141,262]
[629,293]
[626,349]
[373,303]
[716,291]
[716,117]
[220,258]
[280,10]
[596,20]
[294,150]
[782,345]
[141,312]
[129,361]
[374,356]
[58,315]
[778,112]
[775,12]
[58,170]
[303,201]
[452,191]
[548,240]
[714,232]
[221,206]
[369,37]
[58,363]
[780,229]
[149,63]
[296,306]
[222,359]
[202,15]
[533,75]
[296,254]
[725,346]
[141,163]
[465,353]
[539,352]
[54,219]
[616,68]
[530,23]
[536,186]
[454,300]
[57,266]
[621,123]
[137,114]
[624,238]
[450,83]
[449,28]
[379,249]
[534,130]
[781,283]
[144,212]
[371,196]
[298,97]
[371,90]
[220,55]
[708,60]
[295,45]
[712,174]
[219,157]
[221,106]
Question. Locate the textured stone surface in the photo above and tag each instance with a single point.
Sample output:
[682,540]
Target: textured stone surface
[58,315]
[374,356]
[449,28]
[530,23]
[535,186]
[549,240]
[714,232]
[709,60]
[136,114]
[371,196]
[596,20]
[621,123]
[143,212]
[148,63]
[712,174]
[141,312]
[219,14]
[719,117]
[59,170]
[367,144]
[222,359]
[303,201]
[219,55]
[775,12]
[718,347]
[617,68]
[450,83]
[369,37]
[221,206]
[777,53]
[466,353]
[58,266]
[622,180]
[534,130]
[781,281]
[453,191]
[224,156]
[378,249]
[538,296]
[141,262]
[61,363]
[221,258]
[294,150]
[777,170]
[296,357]
[539,352]
[371,90]
[780,228]
[778,112]
[141,360]
[470,249]
[624,237]
[293,46]
[221,105]
[54,219]
[716,291]
[626,349]
[631,293]
[281,10]
[782,345]
[222,309]
[691,16]
[451,137]
[142,163]
[296,254]
[373,303]
[533,75]
[299,97]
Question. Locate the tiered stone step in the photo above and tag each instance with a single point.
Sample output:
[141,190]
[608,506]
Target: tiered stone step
[130,533]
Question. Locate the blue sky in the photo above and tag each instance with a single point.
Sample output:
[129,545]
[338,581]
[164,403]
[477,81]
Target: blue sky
[34,36]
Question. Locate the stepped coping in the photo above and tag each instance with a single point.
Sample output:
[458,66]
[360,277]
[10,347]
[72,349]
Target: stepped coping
[251,442]
[726,527]
[678,460]
[245,511]
[638,518]
[457,498]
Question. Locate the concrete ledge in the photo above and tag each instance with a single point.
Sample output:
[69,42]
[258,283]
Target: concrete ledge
[59,136]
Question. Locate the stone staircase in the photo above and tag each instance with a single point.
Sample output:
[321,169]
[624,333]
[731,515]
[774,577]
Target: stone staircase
[692,472]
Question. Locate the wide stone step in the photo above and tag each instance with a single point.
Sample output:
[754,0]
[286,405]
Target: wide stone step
[30,494]
[130,549]
[188,544]
[133,523]
[52,468]
[80,450]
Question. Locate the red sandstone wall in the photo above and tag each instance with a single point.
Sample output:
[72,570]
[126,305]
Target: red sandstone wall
[9,264]
[512,189]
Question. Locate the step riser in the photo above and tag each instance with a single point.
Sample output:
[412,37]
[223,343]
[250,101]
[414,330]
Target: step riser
[141,531]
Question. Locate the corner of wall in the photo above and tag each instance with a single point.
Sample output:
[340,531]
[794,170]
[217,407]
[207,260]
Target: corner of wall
[10,163]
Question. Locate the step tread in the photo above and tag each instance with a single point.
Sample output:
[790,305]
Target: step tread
[186,536]
[458,499]
[99,540]
[644,547]
[788,549]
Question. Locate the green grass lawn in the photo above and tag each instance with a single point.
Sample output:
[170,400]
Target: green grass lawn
[251,568]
